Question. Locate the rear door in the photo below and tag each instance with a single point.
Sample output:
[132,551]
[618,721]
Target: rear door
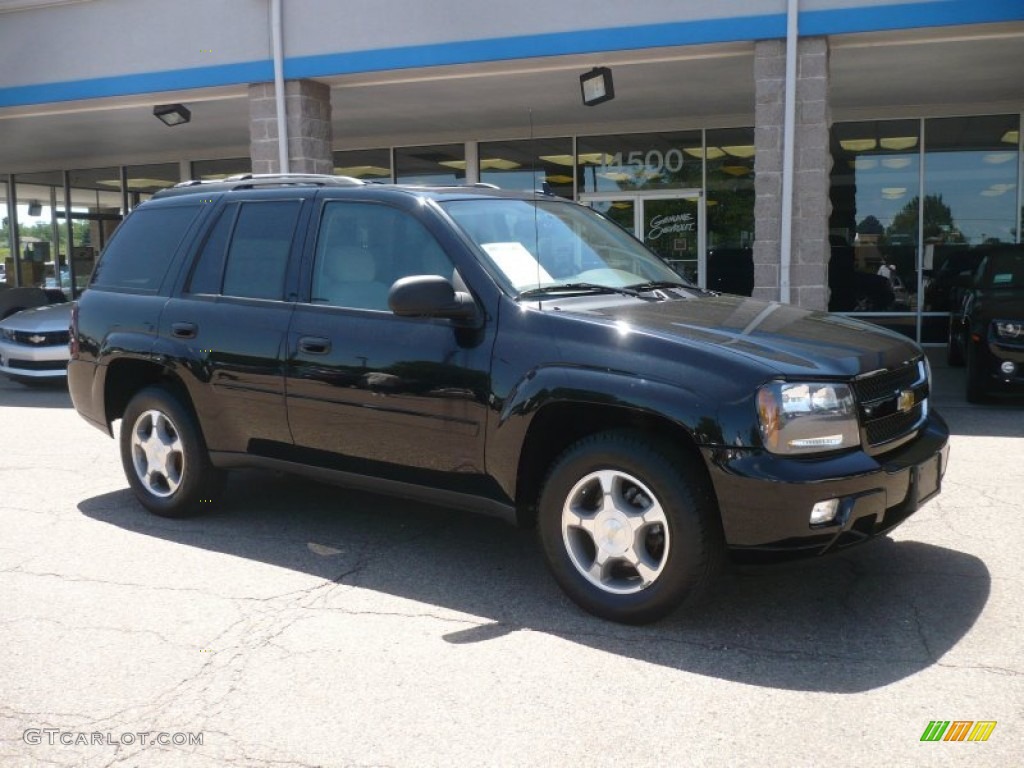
[231,318]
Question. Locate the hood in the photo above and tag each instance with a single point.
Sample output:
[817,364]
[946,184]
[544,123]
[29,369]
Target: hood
[781,337]
[53,317]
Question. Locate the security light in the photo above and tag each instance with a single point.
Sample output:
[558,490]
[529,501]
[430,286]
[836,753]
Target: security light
[172,114]
[597,86]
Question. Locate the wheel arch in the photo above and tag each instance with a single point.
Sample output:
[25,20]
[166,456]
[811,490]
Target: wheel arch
[126,376]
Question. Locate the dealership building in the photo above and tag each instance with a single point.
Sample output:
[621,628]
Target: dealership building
[839,154]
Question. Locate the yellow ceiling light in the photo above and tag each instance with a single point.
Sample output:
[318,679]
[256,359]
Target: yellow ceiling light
[709,203]
[896,163]
[898,142]
[558,178]
[498,164]
[362,171]
[713,153]
[998,158]
[995,190]
[459,165]
[616,176]
[1011,137]
[858,145]
[744,150]
[736,170]
[567,160]
[863,163]
[893,193]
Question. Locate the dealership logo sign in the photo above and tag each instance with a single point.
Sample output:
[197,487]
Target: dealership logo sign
[958,730]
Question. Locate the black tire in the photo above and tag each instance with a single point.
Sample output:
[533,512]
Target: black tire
[686,552]
[975,390]
[189,484]
[954,346]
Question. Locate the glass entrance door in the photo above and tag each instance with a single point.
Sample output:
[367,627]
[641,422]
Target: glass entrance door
[669,223]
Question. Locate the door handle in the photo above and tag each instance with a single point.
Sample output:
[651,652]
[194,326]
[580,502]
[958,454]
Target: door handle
[314,345]
[184,330]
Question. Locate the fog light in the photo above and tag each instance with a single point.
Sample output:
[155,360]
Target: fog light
[1008,367]
[824,511]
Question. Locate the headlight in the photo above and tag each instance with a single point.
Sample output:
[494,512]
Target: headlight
[7,333]
[1010,330]
[807,417]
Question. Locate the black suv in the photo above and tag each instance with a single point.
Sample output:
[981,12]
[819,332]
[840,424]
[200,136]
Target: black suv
[510,353]
[987,329]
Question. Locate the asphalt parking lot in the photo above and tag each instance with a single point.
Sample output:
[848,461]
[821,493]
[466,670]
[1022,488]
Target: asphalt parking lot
[299,624]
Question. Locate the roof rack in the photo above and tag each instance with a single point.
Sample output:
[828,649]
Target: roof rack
[249,180]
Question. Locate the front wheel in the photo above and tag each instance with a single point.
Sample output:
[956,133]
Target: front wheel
[629,527]
[164,456]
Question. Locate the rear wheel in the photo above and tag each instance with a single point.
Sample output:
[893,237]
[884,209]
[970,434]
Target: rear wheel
[164,457]
[629,527]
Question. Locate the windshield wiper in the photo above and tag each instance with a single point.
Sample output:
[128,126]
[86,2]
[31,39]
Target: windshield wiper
[576,288]
[655,285]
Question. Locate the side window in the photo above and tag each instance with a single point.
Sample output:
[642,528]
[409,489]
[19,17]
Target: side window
[140,253]
[363,248]
[209,267]
[257,257]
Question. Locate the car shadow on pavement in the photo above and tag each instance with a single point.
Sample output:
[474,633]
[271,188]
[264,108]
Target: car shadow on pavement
[42,394]
[855,621]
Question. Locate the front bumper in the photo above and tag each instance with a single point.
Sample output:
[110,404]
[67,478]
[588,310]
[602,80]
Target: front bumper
[994,354]
[765,500]
[30,362]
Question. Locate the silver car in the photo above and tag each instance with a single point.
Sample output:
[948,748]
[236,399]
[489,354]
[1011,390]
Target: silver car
[34,343]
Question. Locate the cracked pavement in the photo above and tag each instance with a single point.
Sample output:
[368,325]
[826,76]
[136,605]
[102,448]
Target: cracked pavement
[299,624]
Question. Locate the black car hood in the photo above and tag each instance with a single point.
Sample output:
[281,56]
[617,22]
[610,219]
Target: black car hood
[782,337]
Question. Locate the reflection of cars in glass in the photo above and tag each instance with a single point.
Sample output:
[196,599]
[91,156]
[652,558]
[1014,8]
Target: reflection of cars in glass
[941,293]
[34,343]
[987,332]
[851,290]
[508,353]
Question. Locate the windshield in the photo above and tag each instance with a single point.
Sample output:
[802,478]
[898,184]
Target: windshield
[549,243]
[1004,270]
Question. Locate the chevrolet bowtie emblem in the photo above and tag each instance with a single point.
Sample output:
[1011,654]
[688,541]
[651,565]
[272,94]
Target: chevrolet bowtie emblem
[905,400]
[36,338]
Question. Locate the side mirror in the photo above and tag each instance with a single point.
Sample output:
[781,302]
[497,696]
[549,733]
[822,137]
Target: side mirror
[430,296]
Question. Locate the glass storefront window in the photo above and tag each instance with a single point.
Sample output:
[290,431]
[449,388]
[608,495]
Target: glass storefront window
[366,164]
[639,161]
[144,181]
[529,164]
[441,164]
[214,170]
[95,213]
[873,226]
[730,210]
[42,236]
[6,232]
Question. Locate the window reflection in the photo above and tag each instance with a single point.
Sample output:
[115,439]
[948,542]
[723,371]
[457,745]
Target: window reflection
[618,163]
[144,181]
[214,170]
[528,164]
[366,164]
[442,164]
[873,229]
[730,210]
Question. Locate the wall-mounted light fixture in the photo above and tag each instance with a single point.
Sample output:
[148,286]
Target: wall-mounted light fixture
[35,208]
[597,86]
[172,114]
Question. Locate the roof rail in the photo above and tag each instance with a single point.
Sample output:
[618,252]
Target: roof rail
[249,180]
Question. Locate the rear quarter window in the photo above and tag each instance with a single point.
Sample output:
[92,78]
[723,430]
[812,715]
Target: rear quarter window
[141,252]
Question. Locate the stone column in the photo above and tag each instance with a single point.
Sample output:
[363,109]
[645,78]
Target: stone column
[308,105]
[812,165]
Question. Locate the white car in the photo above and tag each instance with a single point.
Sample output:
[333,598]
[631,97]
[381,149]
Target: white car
[34,343]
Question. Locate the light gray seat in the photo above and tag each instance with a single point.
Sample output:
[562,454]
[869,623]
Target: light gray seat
[349,274]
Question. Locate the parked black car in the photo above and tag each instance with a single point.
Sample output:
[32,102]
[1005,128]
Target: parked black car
[514,354]
[987,333]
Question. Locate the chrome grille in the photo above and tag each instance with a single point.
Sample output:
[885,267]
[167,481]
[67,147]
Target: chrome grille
[41,339]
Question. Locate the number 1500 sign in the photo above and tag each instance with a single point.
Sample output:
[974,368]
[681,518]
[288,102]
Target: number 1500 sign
[671,160]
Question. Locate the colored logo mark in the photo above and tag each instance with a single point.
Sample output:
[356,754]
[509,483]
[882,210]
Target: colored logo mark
[958,730]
